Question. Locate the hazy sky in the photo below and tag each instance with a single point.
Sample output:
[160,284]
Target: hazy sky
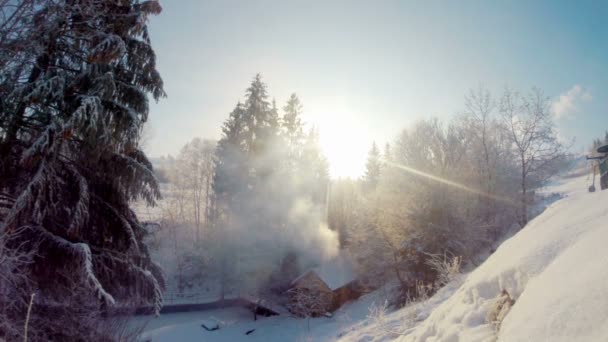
[366,69]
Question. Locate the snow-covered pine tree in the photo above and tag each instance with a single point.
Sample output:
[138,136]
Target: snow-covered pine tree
[69,135]
[230,177]
[372,168]
[387,155]
[313,169]
[293,131]
[256,115]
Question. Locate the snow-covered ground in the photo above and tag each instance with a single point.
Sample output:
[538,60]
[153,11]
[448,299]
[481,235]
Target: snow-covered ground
[236,322]
[556,270]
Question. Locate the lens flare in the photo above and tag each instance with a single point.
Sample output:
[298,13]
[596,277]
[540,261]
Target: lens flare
[449,182]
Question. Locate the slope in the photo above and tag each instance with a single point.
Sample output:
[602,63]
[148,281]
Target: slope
[556,269]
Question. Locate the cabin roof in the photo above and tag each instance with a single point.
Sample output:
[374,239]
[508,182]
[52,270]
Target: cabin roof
[335,272]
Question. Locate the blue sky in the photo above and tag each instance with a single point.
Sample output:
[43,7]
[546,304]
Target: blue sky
[366,69]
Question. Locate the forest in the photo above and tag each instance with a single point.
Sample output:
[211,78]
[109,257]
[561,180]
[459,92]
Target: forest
[93,231]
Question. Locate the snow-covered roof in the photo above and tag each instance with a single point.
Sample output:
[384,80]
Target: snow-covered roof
[335,272]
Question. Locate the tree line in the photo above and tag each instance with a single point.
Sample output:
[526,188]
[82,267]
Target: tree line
[441,188]
[252,201]
[448,188]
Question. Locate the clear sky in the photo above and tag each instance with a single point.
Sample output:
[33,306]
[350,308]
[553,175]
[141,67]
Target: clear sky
[366,69]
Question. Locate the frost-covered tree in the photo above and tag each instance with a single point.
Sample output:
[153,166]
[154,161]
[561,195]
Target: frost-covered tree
[230,177]
[343,204]
[313,169]
[372,168]
[260,120]
[72,111]
[192,176]
[269,187]
[314,300]
[415,211]
[387,155]
[293,130]
[529,126]
[492,160]
[480,110]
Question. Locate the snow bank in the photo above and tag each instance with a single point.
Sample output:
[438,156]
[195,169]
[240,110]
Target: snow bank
[556,269]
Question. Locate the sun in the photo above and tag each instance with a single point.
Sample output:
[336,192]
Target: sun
[343,139]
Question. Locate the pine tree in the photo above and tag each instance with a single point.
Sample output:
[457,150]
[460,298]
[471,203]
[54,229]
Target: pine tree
[255,193]
[71,163]
[257,116]
[246,151]
[230,185]
[372,168]
[293,130]
[387,153]
[313,169]
[230,178]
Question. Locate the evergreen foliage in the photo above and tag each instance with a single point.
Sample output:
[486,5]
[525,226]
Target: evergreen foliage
[270,178]
[73,107]
[372,168]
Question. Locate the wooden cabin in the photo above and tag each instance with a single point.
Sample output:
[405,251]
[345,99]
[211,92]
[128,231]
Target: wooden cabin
[330,285]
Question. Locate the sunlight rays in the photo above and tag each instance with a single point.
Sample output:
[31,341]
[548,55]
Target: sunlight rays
[449,182]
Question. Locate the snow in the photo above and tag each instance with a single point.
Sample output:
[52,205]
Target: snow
[556,270]
[335,272]
[236,321]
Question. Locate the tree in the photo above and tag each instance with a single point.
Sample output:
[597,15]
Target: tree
[313,170]
[528,124]
[260,121]
[247,176]
[387,155]
[342,207]
[420,205]
[271,181]
[480,106]
[312,300]
[230,164]
[192,175]
[71,161]
[230,181]
[293,129]
[372,168]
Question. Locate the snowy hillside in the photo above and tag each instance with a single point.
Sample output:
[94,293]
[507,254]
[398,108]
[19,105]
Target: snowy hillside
[556,270]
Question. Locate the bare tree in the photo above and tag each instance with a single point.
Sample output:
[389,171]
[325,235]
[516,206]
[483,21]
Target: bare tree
[480,108]
[192,176]
[310,301]
[528,123]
